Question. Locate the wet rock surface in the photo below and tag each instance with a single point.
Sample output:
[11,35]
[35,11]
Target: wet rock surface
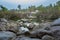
[11,30]
[6,35]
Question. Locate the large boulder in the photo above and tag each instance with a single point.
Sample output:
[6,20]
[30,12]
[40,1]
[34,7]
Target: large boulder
[27,38]
[47,37]
[52,29]
[5,35]
[55,30]
[40,33]
[56,22]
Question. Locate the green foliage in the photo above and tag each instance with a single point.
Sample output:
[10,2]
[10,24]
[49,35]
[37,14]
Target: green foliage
[32,8]
[14,17]
[58,3]
[1,15]
[3,8]
[49,12]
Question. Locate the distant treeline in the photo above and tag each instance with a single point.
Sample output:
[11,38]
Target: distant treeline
[49,12]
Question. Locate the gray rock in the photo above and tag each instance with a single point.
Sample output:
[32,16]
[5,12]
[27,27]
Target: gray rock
[55,30]
[12,26]
[3,20]
[2,26]
[5,35]
[40,33]
[23,30]
[56,22]
[47,37]
[52,30]
[27,38]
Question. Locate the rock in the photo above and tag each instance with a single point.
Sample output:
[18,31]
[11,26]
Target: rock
[22,30]
[56,22]
[27,38]
[5,35]
[36,23]
[55,30]
[18,21]
[27,24]
[47,37]
[39,33]
[31,26]
[44,25]
[3,20]
[47,28]
[36,26]
[3,26]
[12,26]
[52,29]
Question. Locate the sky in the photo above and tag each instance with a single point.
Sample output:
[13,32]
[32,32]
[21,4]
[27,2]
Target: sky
[12,4]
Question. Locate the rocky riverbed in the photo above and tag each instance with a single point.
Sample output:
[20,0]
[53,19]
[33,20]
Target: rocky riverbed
[15,30]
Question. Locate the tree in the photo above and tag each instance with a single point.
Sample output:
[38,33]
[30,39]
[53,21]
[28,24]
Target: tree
[3,8]
[58,3]
[19,7]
